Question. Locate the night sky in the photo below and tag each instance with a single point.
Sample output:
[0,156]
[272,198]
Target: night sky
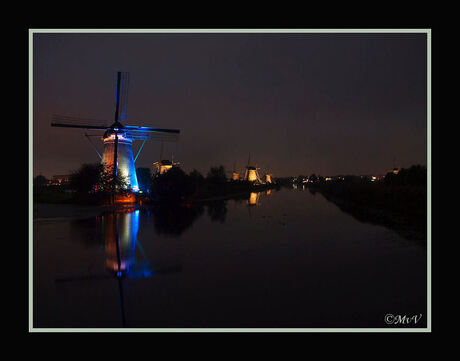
[328,104]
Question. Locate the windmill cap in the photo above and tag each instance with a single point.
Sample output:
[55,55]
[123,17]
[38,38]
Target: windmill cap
[111,131]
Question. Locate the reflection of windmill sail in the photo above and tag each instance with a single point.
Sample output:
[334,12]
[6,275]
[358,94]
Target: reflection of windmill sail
[118,138]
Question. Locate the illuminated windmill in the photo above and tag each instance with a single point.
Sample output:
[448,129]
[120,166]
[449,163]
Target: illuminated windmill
[117,137]
[251,174]
[268,177]
[163,165]
[235,173]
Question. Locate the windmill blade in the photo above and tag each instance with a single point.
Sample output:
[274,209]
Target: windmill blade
[138,135]
[62,125]
[133,128]
[75,122]
[121,100]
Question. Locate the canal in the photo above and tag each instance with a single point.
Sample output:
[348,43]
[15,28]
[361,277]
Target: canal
[276,259]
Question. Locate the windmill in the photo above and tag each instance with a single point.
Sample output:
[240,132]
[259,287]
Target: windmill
[117,137]
[268,177]
[163,165]
[251,173]
[235,174]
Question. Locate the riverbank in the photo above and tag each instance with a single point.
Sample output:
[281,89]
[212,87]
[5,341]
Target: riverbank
[52,205]
[54,211]
[402,208]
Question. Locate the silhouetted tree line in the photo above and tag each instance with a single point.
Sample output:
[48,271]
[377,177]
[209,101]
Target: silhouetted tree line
[40,181]
[94,181]
[96,178]
[176,186]
[416,175]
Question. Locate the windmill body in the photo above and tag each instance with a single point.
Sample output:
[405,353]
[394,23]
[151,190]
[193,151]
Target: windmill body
[163,166]
[125,160]
[117,137]
[268,178]
[251,174]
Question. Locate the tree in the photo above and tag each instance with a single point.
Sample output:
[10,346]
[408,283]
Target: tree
[40,181]
[174,185]
[97,177]
[313,178]
[216,175]
[415,175]
[196,178]
[301,178]
[108,182]
[86,177]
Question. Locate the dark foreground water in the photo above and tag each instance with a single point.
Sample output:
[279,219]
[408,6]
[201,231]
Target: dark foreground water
[284,259]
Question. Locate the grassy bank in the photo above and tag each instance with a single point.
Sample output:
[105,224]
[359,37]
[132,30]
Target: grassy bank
[53,196]
[402,208]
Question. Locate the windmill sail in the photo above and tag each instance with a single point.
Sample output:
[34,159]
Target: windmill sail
[121,102]
[75,122]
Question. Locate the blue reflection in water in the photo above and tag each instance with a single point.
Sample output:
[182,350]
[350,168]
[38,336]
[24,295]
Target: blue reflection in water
[120,230]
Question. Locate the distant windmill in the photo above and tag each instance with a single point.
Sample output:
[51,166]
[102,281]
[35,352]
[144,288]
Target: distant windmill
[251,174]
[163,165]
[235,173]
[268,177]
[118,138]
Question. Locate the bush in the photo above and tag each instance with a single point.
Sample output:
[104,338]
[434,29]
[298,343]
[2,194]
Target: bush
[174,185]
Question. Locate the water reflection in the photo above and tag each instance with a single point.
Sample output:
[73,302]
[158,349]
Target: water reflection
[217,211]
[120,256]
[174,220]
[253,199]
[120,233]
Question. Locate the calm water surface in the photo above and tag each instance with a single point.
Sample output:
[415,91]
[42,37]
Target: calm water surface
[288,259]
